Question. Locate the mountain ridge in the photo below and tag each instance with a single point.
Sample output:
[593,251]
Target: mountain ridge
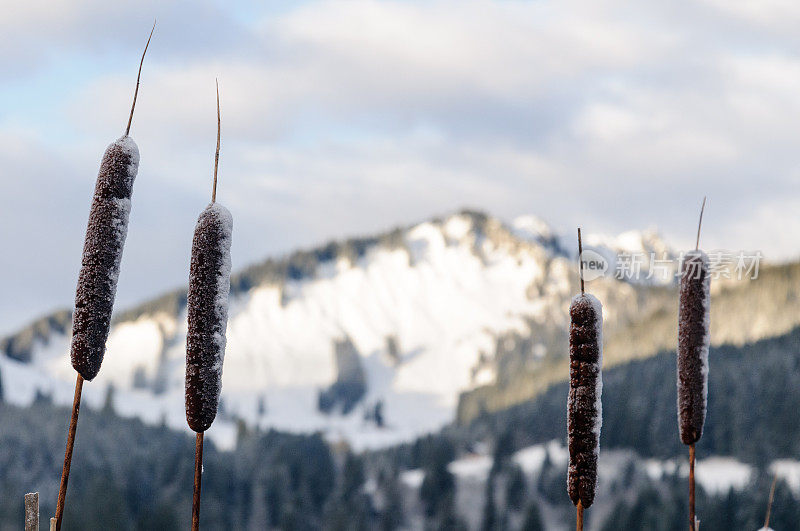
[441,320]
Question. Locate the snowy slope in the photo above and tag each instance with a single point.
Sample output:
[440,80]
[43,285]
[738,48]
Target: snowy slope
[423,317]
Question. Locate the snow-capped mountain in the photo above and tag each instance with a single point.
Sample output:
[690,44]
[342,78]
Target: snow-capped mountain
[372,340]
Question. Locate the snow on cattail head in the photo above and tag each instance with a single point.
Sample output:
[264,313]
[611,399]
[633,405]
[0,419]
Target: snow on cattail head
[207,302]
[584,406]
[102,253]
[693,341]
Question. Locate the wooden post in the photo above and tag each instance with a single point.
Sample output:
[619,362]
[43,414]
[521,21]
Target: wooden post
[32,511]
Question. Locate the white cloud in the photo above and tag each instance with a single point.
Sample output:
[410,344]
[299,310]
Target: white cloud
[348,117]
[772,14]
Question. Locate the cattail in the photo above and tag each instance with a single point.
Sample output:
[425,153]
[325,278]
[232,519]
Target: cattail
[102,253]
[97,281]
[694,309]
[207,301]
[693,321]
[584,406]
[209,283]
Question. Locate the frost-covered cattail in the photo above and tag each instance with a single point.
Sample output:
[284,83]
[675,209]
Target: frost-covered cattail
[693,321]
[207,302]
[694,310]
[584,406]
[102,253]
[585,390]
[97,281]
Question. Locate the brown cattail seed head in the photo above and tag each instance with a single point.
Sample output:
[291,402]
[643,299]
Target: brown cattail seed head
[102,253]
[207,301]
[693,324]
[584,408]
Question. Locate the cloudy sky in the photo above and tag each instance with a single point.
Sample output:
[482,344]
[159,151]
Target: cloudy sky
[349,117]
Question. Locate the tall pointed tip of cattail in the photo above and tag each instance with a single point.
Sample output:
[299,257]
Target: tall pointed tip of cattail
[138,78]
[700,223]
[216,156]
[580,259]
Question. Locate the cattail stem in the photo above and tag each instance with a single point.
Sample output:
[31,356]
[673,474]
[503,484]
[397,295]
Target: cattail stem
[216,155]
[198,474]
[73,424]
[580,259]
[579,520]
[691,488]
[138,77]
[699,223]
[769,504]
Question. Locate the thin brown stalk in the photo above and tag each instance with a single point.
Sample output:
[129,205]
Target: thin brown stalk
[198,475]
[580,259]
[216,155]
[699,223]
[138,77]
[579,520]
[73,424]
[691,488]
[771,497]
